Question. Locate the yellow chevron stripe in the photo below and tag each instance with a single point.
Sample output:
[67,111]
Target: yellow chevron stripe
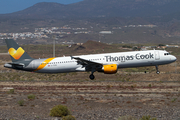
[44,64]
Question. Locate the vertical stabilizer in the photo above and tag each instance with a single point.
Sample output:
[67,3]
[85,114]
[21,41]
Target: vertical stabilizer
[15,51]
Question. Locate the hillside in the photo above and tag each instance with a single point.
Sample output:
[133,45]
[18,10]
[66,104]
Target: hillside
[100,8]
[101,15]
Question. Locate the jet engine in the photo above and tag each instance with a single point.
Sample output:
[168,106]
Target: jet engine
[109,69]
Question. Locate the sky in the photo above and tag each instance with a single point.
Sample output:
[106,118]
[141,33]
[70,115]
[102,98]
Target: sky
[9,6]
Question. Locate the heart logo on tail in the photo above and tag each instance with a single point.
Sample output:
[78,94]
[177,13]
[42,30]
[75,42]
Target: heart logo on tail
[16,54]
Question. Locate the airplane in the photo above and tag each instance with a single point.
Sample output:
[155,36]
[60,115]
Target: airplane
[107,63]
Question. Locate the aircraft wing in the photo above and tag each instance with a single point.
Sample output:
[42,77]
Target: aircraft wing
[84,61]
[89,65]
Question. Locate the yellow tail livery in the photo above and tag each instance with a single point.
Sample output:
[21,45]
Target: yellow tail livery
[16,54]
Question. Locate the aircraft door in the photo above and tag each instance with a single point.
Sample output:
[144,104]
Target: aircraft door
[157,56]
[33,64]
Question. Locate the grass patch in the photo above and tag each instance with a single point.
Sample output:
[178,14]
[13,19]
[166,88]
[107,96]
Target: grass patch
[11,91]
[31,96]
[21,103]
[59,111]
[174,99]
[147,118]
[69,117]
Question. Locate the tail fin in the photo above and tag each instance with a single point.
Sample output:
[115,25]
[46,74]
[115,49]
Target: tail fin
[16,52]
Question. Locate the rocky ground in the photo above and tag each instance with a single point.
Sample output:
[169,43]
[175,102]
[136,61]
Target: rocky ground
[91,100]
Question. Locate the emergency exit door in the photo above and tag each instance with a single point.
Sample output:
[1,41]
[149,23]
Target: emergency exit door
[157,56]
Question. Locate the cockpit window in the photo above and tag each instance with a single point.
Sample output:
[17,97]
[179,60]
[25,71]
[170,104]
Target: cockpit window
[166,53]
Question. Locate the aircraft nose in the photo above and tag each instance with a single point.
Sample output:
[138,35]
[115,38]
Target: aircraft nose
[173,58]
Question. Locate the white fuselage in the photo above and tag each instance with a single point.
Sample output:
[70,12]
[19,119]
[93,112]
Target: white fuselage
[121,59]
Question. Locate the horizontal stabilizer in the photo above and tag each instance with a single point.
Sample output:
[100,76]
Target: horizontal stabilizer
[14,65]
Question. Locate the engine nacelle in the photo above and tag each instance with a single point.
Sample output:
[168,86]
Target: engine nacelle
[109,69]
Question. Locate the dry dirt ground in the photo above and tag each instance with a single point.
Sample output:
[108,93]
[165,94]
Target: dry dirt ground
[91,100]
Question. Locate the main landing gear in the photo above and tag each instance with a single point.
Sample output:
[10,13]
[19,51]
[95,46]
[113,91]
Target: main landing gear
[92,76]
[157,71]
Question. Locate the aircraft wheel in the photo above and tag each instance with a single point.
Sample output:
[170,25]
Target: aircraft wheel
[92,77]
[157,72]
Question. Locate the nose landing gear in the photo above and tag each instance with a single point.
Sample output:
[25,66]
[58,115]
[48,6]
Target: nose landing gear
[157,71]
